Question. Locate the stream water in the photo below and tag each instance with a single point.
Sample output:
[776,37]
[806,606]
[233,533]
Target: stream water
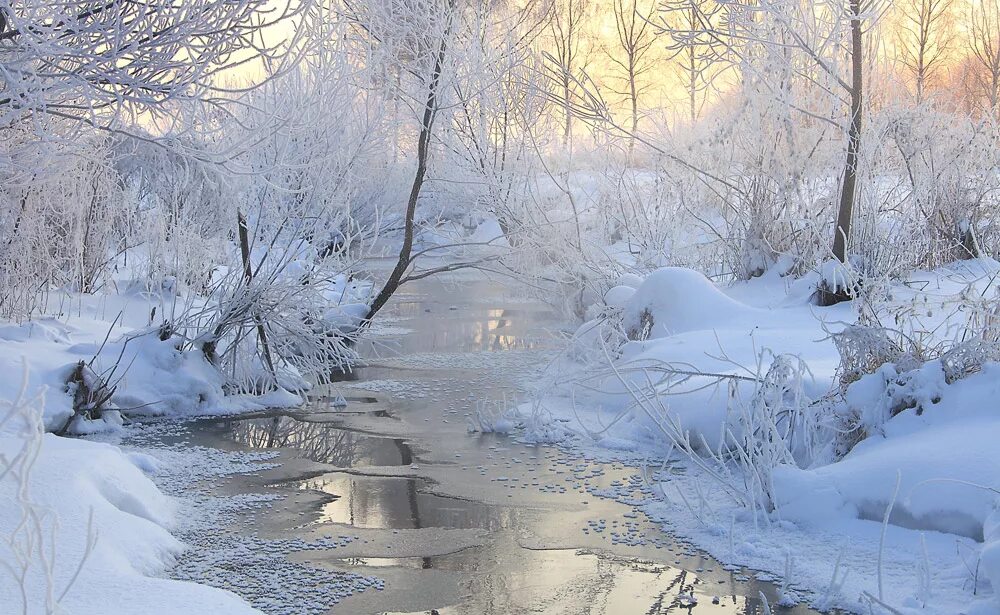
[393,487]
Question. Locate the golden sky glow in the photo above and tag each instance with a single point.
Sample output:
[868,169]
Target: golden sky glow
[664,94]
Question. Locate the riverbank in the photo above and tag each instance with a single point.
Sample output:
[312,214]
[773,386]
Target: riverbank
[448,520]
[390,504]
[852,464]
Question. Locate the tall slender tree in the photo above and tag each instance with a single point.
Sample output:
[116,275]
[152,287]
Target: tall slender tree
[924,38]
[631,55]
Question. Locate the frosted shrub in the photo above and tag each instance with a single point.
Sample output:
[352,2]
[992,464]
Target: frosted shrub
[62,229]
[885,371]
[769,424]
[182,211]
[863,350]
[949,165]
[756,200]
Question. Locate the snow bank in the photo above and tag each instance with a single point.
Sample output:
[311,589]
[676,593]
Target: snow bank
[945,457]
[674,300]
[677,319]
[87,529]
[153,376]
[925,452]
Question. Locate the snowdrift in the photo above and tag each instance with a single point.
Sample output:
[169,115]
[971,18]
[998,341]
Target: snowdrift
[153,377]
[677,319]
[87,528]
[927,459]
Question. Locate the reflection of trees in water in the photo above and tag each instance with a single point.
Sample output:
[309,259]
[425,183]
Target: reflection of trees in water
[592,591]
[745,605]
[684,582]
[668,599]
[315,441]
[680,582]
[494,332]
[322,443]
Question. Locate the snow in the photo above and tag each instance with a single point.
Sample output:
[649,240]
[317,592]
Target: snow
[678,318]
[83,521]
[681,300]
[104,530]
[218,524]
[154,376]
[926,453]
[945,459]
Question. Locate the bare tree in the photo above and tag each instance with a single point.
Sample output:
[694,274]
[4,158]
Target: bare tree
[696,41]
[810,39]
[983,24]
[417,34]
[924,38]
[631,55]
[570,54]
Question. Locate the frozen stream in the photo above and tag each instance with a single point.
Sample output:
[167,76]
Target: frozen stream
[390,506]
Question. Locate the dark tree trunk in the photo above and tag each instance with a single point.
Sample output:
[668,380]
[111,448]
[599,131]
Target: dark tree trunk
[849,191]
[423,153]
[241,223]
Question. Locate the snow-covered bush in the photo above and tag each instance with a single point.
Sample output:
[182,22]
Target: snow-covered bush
[884,372]
[62,228]
[949,166]
[770,429]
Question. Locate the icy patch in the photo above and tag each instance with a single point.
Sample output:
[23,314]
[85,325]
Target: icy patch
[403,389]
[384,330]
[500,361]
[223,551]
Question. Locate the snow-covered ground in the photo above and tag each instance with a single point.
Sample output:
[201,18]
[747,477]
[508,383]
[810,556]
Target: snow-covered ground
[82,524]
[137,341]
[856,466]
[83,527]
[846,452]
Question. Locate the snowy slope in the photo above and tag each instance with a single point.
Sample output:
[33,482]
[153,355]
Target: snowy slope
[685,357]
[82,529]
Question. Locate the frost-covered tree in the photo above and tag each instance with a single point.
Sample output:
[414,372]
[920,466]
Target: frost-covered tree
[818,48]
[631,55]
[569,51]
[693,41]
[925,36]
[415,35]
[114,65]
[983,25]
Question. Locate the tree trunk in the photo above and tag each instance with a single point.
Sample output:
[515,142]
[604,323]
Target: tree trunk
[848,194]
[568,112]
[692,86]
[693,71]
[423,153]
[634,97]
[241,223]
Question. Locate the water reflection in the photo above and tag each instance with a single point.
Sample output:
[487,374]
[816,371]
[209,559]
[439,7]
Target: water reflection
[570,582]
[400,503]
[318,441]
[487,329]
[501,576]
[496,332]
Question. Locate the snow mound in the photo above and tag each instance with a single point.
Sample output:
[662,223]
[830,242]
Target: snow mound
[107,525]
[675,300]
[943,453]
[619,296]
